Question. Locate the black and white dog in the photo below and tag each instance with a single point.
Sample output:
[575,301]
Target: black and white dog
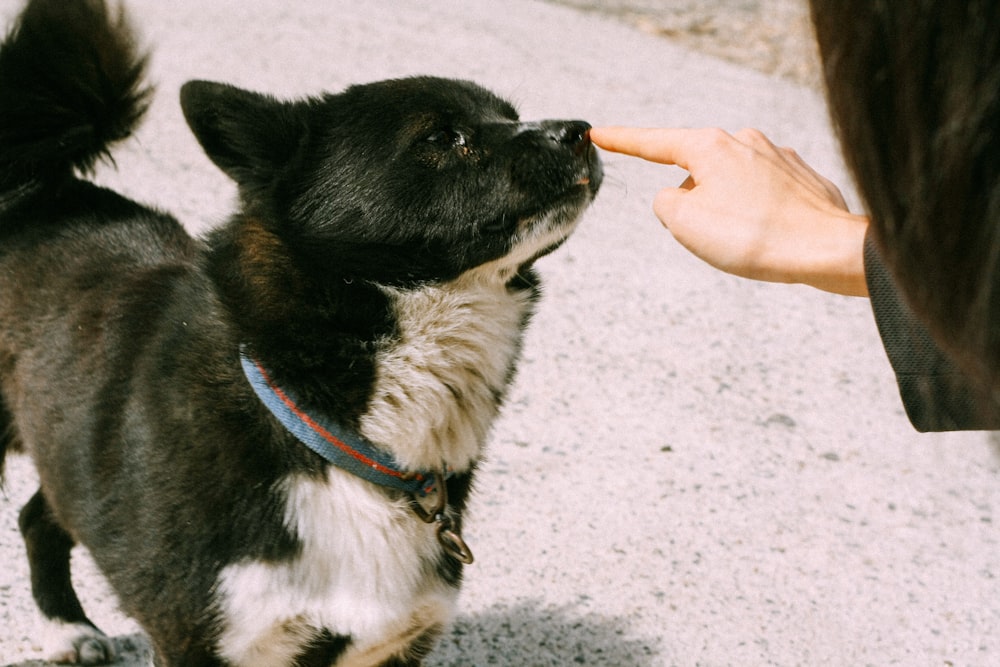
[266,437]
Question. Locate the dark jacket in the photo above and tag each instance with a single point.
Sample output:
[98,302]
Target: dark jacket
[936,394]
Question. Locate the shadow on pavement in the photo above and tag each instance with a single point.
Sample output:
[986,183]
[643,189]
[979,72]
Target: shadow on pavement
[531,634]
[525,635]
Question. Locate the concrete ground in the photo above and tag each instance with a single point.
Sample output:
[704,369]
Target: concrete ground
[692,469]
[771,36]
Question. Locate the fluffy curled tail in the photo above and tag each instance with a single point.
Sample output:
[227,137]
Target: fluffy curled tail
[71,85]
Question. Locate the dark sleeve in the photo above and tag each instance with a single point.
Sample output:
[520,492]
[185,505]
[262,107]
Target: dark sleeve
[936,394]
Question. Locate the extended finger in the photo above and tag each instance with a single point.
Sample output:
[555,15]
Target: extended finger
[662,145]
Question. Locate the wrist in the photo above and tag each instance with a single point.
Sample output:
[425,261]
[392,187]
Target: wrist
[835,262]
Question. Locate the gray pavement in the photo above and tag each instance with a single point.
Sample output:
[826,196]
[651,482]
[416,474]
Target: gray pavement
[692,469]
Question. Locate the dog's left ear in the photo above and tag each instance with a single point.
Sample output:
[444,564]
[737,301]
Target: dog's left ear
[250,136]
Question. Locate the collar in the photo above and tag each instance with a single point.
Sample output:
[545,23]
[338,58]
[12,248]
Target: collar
[340,446]
[350,451]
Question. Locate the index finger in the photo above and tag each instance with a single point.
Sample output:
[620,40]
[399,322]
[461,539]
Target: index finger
[663,145]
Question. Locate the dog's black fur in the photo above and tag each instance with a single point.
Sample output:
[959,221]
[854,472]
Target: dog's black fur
[378,265]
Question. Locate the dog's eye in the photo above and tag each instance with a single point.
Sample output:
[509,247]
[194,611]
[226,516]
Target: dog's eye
[446,138]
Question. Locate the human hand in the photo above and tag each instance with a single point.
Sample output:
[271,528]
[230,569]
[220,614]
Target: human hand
[750,208]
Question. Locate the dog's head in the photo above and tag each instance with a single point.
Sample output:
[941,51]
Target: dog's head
[400,181]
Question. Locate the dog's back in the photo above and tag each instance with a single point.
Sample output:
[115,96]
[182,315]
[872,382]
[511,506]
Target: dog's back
[71,85]
[85,276]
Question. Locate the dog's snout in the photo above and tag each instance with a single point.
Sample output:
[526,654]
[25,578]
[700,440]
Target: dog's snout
[572,133]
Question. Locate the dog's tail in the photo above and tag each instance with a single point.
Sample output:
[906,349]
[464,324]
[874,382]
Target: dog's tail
[71,85]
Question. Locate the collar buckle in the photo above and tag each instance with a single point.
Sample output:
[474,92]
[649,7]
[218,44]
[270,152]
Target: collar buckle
[447,536]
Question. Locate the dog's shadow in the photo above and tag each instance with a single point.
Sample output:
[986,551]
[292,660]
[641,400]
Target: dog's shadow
[534,634]
[529,634]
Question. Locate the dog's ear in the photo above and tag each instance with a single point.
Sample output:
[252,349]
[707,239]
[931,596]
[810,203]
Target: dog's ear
[250,136]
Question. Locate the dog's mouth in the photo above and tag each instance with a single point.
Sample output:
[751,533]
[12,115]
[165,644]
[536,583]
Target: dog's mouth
[573,137]
[550,172]
[558,175]
[538,230]
[574,182]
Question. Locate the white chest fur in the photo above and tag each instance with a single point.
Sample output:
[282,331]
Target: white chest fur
[438,383]
[366,570]
[367,566]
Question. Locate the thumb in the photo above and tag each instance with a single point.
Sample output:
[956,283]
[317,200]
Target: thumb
[667,203]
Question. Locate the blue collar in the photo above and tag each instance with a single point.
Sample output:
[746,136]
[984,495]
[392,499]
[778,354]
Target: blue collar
[341,447]
[351,452]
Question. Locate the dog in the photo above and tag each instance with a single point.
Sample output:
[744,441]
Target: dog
[265,436]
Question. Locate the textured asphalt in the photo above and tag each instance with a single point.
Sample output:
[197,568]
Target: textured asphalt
[691,469]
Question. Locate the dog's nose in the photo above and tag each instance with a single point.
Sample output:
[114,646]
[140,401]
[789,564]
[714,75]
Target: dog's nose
[572,133]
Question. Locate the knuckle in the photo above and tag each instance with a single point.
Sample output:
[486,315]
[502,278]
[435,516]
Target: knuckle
[714,137]
[789,152]
[752,136]
[759,143]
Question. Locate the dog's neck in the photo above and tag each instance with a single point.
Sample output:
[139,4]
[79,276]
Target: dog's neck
[352,453]
[423,381]
[439,382]
[337,444]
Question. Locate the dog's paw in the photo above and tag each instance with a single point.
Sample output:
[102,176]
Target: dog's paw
[77,644]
